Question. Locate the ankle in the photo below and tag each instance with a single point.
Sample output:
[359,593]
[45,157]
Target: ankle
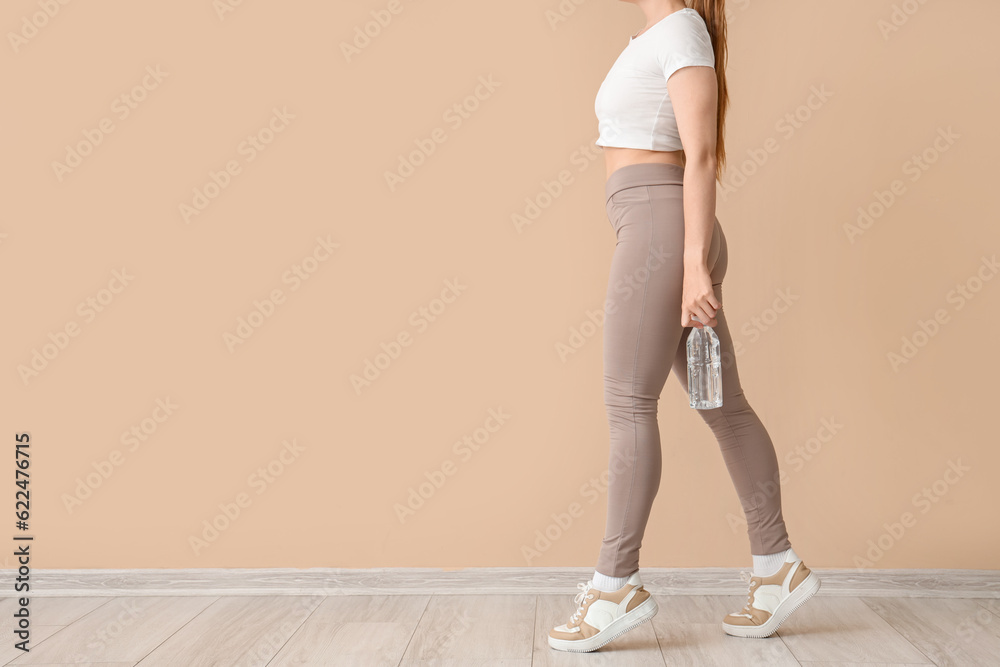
[765,565]
[607,584]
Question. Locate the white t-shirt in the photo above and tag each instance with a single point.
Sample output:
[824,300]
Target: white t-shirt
[633,106]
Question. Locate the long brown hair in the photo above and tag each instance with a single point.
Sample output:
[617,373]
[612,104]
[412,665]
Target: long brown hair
[714,13]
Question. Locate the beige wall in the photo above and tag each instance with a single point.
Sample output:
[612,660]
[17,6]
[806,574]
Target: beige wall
[817,367]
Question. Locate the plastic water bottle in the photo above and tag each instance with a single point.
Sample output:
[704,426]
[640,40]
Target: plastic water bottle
[704,364]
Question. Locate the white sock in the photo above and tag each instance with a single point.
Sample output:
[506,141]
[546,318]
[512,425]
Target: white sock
[607,584]
[768,564]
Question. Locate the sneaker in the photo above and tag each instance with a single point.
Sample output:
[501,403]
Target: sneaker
[772,599]
[603,616]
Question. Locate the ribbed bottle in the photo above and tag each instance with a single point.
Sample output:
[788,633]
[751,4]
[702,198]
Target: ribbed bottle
[704,362]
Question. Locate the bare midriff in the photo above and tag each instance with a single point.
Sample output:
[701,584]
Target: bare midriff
[615,158]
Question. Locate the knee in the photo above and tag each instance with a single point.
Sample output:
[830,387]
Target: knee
[732,407]
[625,402]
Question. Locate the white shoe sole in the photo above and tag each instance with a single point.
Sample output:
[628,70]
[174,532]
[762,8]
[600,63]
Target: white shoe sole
[805,590]
[620,626]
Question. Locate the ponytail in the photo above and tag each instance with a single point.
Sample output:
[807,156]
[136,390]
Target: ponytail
[714,14]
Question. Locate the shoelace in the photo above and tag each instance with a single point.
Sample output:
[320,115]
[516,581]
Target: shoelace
[747,577]
[580,598]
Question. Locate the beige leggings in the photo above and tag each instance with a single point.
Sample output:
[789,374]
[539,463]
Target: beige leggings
[643,340]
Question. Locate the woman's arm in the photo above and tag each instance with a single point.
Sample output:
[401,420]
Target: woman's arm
[694,93]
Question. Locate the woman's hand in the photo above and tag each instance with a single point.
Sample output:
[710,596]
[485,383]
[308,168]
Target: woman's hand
[698,298]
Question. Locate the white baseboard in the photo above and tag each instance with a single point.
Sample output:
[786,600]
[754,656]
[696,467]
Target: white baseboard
[480,580]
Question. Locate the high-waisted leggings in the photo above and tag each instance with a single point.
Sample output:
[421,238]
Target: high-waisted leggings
[643,341]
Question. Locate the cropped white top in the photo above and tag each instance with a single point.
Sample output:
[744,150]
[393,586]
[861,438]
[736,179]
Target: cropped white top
[633,106]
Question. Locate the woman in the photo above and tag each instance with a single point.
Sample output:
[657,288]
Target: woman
[661,112]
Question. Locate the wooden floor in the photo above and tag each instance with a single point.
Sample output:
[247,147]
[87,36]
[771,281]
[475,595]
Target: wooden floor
[474,630]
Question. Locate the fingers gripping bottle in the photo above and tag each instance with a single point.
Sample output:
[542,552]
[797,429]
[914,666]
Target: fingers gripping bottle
[704,363]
